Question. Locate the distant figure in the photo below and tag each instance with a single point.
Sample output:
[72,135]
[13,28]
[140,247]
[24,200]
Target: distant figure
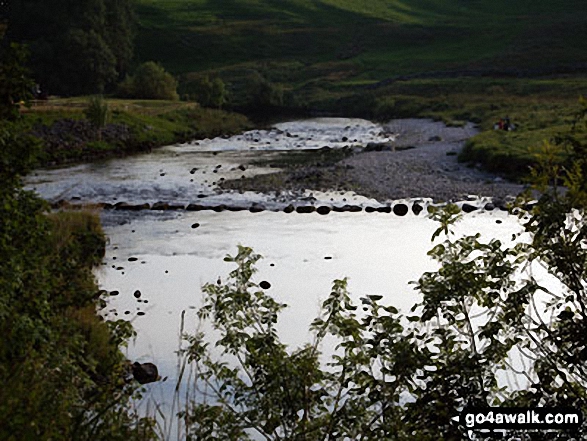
[504,124]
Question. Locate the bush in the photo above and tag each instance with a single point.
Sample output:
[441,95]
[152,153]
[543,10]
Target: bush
[150,81]
[97,113]
[208,93]
[263,93]
[61,372]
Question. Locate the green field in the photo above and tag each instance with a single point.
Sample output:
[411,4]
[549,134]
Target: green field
[298,41]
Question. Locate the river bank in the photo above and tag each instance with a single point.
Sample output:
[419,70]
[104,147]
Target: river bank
[133,127]
[421,163]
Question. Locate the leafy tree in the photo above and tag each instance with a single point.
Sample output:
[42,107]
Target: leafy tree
[150,81]
[15,82]
[208,93]
[94,65]
[62,375]
[77,47]
[263,93]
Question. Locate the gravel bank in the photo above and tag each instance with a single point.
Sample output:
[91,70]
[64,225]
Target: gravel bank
[423,166]
[430,169]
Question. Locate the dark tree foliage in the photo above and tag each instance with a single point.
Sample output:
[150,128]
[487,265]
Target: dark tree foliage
[150,81]
[77,47]
[15,83]
[62,375]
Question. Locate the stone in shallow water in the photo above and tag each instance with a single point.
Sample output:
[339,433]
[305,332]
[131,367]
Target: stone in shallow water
[468,208]
[417,209]
[132,259]
[305,209]
[265,284]
[195,207]
[145,372]
[196,225]
[257,207]
[400,209]
[137,294]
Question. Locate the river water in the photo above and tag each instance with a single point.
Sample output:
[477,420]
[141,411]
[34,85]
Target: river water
[157,261]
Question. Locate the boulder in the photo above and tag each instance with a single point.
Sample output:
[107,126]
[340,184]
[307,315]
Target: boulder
[160,206]
[468,208]
[257,207]
[145,372]
[305,209]
[400,209]
[195,207]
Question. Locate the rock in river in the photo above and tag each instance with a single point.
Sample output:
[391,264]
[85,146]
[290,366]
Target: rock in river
[145,372]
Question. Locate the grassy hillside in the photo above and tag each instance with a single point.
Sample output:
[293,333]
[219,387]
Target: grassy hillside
[360,41]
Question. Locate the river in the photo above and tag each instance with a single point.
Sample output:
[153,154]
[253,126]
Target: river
[157,260]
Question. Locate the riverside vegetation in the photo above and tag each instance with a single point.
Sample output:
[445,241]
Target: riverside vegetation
[62,374]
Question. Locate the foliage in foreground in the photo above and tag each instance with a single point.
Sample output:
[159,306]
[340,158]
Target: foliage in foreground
[62,375]
[484,314]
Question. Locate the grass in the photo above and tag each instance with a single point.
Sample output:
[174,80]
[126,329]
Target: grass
[150,123]
[377,38]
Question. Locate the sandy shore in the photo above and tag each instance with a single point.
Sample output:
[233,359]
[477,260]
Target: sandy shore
[424,165]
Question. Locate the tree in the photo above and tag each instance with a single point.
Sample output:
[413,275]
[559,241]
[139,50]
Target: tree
[62,374]
[408,377]
[208,93]
[15,83]
[150,81]
[76,47]
[264,94]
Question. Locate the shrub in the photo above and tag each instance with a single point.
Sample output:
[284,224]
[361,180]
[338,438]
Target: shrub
[150,81]
[208,93]
[97,113]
